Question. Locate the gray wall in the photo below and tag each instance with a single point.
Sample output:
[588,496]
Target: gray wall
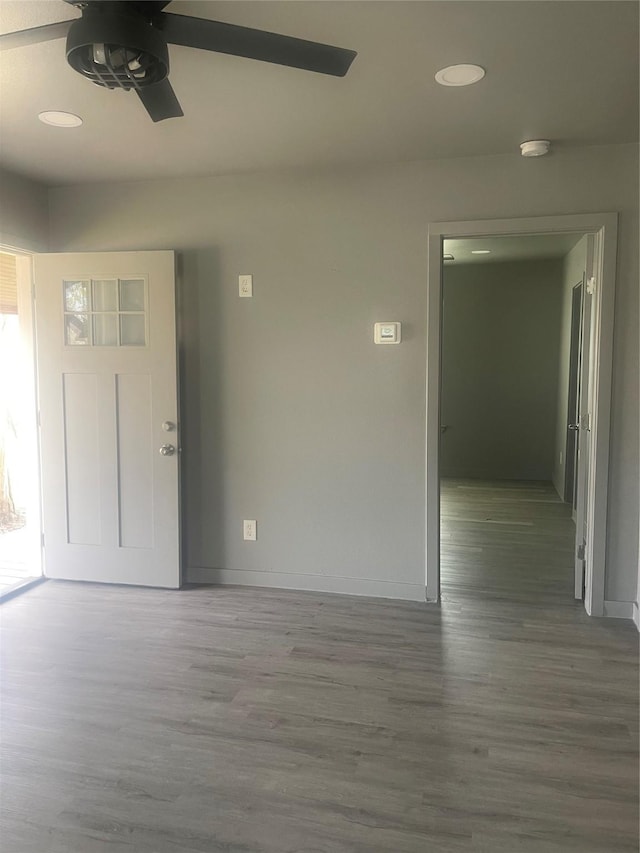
[292,415]
[24,213]
[573,269]
[500,344]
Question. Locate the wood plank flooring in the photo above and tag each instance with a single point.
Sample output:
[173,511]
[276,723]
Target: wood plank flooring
[258,721]
[506,540]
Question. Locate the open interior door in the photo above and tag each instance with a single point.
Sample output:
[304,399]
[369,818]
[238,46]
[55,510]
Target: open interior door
[108,405]
[583,424]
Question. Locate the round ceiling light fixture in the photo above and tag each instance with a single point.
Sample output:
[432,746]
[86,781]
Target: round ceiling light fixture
[535,148]
[56,118]
[459,75]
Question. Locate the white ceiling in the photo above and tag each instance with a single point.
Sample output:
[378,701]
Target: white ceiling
[562,70]
[521,248]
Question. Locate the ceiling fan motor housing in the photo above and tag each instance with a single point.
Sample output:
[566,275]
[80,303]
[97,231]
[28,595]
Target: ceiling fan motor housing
[117,48]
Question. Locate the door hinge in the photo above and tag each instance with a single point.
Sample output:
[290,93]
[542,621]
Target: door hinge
[591,285]
[581,553]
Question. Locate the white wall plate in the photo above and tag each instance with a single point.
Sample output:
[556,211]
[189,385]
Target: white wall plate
[387,333]
[245,286]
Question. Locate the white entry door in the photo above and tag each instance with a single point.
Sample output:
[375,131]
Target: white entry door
[106,354]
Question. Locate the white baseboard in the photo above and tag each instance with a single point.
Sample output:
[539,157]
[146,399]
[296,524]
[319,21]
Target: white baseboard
[636,614]
[310,583]
[619,609]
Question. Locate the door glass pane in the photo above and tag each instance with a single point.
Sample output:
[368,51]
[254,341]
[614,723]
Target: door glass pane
[76,296]
[105,295]
[105,330]
[76,329]
[132,294]
[132,331]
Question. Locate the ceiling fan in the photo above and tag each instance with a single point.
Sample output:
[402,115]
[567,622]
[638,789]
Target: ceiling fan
[123,44]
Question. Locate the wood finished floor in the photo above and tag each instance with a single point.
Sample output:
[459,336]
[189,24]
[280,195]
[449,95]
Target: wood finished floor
[259,721]
[506,540]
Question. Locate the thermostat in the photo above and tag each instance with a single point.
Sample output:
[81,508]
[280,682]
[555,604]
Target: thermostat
[387,333]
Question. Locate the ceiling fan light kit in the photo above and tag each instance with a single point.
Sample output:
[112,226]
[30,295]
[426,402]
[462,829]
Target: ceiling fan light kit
[123,44]
[117,50]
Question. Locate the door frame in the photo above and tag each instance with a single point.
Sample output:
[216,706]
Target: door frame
[24,281]
[604,228]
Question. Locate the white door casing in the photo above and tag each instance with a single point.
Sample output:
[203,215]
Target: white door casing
[107,379]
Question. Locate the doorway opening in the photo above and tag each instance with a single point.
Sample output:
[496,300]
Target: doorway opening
[600,230]
[510,387]
[20,528]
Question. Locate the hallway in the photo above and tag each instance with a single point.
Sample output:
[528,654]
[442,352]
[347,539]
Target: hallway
[506,540]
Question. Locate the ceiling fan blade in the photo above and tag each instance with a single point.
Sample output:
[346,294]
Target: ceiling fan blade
[145,7]
[254,44]
[35,35]
[160,101]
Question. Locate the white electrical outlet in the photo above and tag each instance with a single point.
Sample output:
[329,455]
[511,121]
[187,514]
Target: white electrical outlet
[250,530]
[245,285]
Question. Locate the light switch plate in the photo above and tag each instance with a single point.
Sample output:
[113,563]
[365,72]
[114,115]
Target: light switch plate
[245,285]
[387,333]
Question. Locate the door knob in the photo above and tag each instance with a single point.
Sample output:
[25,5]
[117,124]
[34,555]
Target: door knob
[574,426]
[167,450]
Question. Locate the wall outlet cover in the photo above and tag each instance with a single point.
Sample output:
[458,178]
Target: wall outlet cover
[245,285]
[250,530]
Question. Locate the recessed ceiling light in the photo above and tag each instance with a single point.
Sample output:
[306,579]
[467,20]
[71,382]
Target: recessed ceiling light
[459,75]
[481,251]
[60,119]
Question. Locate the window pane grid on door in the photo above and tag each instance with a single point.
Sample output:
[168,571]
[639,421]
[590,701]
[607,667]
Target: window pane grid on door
[105,294]
[105,330]
[132,294]
[77,330]
[107,312]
